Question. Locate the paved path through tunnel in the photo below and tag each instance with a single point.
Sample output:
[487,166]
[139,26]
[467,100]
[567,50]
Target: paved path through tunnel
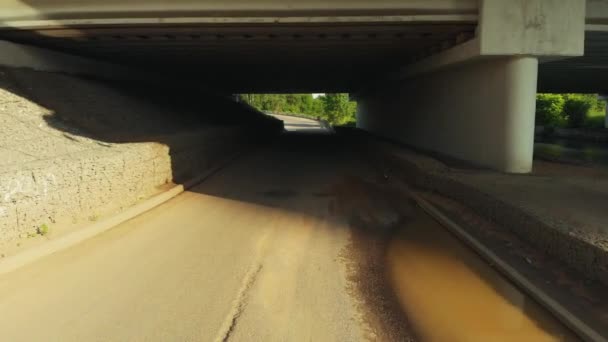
[288,243]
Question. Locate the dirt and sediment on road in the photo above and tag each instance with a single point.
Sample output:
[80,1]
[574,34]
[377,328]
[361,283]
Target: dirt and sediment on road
[416,282]
[522,218]
[373,220]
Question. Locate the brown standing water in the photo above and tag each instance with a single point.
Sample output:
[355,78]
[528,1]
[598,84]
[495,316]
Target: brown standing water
[450,294]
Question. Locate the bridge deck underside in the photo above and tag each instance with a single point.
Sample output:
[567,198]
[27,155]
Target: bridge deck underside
[303,57]
[587,74]
[262,57]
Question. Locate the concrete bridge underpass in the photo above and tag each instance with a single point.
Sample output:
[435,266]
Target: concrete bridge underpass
[455,77]
[219,225]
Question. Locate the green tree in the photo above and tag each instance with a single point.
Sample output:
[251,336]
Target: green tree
[577,107]
[338,109]
[306,104]
[570,110]
[549,109]
[335,108]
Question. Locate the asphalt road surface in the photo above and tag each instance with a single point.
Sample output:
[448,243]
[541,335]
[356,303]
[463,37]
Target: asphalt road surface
[290,242]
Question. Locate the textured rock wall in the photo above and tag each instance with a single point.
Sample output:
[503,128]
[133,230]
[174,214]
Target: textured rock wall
[73,150]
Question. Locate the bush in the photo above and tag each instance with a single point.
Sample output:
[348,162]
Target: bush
[549,108]
[600,107]
[577,107]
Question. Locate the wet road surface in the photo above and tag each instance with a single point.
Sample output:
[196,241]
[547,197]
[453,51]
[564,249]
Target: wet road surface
[298,240]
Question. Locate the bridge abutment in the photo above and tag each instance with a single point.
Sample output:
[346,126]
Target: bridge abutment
[482,112]
[476,101]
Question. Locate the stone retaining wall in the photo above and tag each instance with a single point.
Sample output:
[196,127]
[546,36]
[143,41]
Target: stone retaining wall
[74,150]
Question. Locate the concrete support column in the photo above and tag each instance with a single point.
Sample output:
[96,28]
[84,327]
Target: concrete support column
[519,114]
[476,101]
[481,112]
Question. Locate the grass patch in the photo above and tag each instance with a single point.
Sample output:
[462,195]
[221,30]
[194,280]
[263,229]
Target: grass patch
[43,229]
[595,122]
[597,116]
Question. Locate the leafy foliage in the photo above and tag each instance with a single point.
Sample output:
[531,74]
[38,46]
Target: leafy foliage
[337,109]
[549,108]
[577,107]
[569,110]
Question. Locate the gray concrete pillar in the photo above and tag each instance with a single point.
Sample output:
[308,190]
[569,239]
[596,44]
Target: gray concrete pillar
[519,115]
[481,112]
[476,101]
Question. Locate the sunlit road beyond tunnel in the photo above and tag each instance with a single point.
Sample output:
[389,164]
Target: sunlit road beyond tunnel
[299,239]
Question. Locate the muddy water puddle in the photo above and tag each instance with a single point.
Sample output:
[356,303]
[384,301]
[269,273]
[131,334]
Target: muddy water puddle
[449,294]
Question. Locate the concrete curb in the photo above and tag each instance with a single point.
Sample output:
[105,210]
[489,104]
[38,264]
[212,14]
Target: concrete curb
[35,253]
[582,329]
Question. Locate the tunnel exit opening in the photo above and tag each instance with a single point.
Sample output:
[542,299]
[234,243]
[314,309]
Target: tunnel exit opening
[331,109]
